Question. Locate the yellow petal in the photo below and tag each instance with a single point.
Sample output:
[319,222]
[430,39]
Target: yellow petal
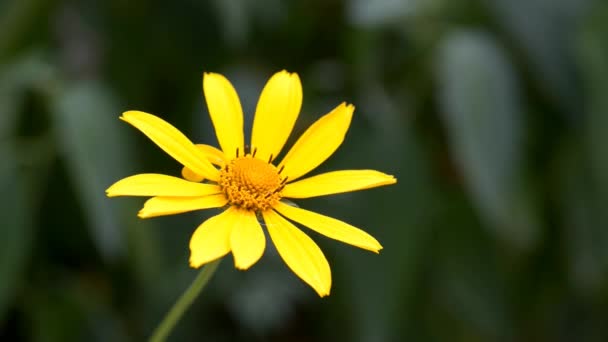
[330,227]
[215,156]
[159,206]
[152,184]
[247,240]
[337,182]
[318,142]
[275,114]
[211,240]
[299,252]
[225,111]
[172,141]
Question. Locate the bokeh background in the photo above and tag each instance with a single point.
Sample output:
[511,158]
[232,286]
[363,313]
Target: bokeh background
[493,115]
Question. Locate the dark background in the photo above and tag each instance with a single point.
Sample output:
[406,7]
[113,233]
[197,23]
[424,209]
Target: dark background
[493,115]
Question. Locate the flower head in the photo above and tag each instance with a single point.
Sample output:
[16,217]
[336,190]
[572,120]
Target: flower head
[249,185]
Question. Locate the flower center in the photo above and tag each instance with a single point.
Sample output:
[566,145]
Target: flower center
[250,183]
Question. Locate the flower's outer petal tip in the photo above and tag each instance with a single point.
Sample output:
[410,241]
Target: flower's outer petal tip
[240,266]
[292,76]
[144,214]
[348,108]
[194,264]
[210,75]
[375,247]
[388,179]
[110,191]
[295,78]
[323,290]
[129,114]
[243,265]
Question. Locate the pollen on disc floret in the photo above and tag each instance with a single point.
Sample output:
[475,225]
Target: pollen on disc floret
[250,183]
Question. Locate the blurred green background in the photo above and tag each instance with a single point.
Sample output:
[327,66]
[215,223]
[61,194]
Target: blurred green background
[493,115]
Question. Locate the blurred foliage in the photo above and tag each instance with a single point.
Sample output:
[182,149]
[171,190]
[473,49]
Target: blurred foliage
[492,114]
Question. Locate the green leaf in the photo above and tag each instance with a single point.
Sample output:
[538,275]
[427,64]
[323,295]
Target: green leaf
[583,167]
[18,182]
[72,308]
[16,217]
[593,60]
[481,110]
[29,72]
[585,220]
[377,13]
[97,154]
[543,29]
[470,288]
[17,18]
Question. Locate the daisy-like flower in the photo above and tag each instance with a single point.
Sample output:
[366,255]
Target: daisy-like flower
[247,182]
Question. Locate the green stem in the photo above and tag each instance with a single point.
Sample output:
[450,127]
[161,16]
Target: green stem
[183,303]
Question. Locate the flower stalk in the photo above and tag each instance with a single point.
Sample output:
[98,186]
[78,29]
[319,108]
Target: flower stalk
[184,302]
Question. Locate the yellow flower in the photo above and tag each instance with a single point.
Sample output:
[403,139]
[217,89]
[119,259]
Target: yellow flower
[249,185]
